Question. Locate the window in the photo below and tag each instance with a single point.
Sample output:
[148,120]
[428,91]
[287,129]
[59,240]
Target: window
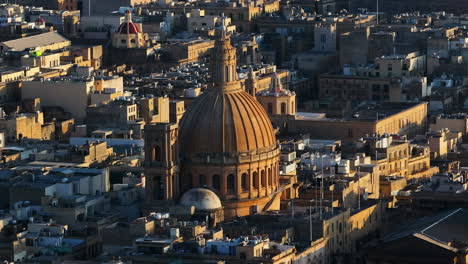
[283,108]
[270,178]
[244,181]
[216,182]
[263,183]
[255,179]
[270,108]
[230,183]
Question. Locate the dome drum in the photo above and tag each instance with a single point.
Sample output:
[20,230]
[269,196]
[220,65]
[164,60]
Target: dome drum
[232,158]
[235,182]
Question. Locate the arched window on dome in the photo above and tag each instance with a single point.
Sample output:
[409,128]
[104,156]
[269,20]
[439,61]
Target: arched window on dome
[256,180]
[202,180]
[263,178]
[244,180]
[283,108]
[231,186]
[270,108]
[216,182]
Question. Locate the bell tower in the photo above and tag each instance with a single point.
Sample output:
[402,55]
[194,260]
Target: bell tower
[251,83]
[161,162]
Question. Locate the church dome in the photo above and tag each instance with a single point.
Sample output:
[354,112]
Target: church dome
[225,121]
[128,27]
[201,198]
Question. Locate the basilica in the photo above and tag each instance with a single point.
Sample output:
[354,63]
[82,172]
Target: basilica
[223,157]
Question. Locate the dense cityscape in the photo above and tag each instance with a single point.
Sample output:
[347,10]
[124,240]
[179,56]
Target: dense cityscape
[234,131]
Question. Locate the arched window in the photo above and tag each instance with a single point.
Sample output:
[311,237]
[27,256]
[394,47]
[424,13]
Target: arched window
[255,179]
[202,180]
[230,183]
[283,108]
[244,180]
[270,108]
[262,173]
[216,182]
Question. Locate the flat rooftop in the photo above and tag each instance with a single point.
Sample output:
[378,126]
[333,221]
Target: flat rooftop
[365,113]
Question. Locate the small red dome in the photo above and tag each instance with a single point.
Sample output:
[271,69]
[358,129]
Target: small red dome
[40,20]
[128,28]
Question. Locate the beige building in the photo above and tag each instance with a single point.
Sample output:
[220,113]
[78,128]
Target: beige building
[27,125]
[176,110]
[455,123]
[72,94]
[48,60]
[198,20]
[413,64]
[113,114]
[181,53]
[17,74]
[46,41]
[402,159]
[442,142]
[154,110]
[391,118]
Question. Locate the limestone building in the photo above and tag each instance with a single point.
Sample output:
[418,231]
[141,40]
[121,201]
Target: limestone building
[227,144]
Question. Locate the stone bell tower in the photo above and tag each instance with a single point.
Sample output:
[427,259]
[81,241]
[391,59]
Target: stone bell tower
[161,162]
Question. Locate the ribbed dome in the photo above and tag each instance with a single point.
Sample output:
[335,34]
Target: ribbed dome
[128,28]
[226,122]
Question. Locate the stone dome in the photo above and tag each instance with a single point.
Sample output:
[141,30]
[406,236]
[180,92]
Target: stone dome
[231,122]
[225,120]
[201,198]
